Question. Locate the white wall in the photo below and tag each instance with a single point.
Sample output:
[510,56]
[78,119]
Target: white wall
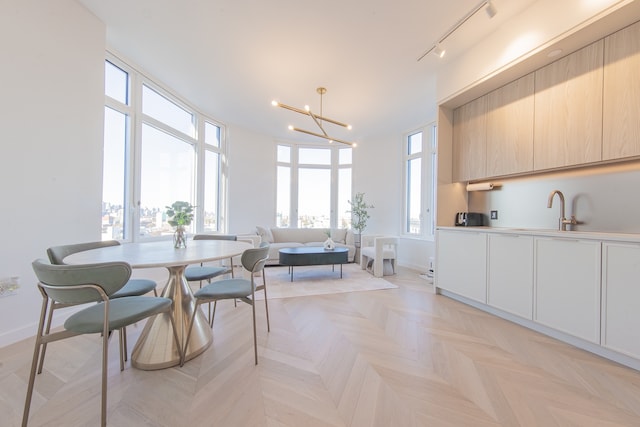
[252,180]
[51,142]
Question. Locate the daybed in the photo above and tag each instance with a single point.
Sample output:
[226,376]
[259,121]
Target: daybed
[279,238]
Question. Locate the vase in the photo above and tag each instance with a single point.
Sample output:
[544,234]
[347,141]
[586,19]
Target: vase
[180,238]
[329,244]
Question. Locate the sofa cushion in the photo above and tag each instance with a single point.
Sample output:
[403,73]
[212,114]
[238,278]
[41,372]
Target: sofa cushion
[301,235]
[265,234]
[339,235]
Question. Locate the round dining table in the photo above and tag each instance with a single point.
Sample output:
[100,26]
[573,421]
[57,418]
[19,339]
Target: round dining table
[156,346]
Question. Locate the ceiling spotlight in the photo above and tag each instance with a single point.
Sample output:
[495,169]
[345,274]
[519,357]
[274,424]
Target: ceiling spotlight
[491,9]
[438,51]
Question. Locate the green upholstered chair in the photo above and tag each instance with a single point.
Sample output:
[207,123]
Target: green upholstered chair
[91,283]
[242,289]
[133,287]
[199,273]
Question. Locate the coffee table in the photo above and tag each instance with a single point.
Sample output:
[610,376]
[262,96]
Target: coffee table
[312,255]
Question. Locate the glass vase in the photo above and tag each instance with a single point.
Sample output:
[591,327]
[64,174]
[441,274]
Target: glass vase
[180,238]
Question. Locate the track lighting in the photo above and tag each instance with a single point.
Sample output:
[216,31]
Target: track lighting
[437,49]
[491,9]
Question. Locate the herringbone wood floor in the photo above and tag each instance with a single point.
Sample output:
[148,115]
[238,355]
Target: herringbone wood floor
[397,357]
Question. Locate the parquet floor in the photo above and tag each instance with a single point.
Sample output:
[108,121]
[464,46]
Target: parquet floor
[397,357]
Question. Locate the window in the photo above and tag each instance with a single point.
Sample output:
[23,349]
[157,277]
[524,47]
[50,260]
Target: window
[313,186]
[419,179]
[157,150]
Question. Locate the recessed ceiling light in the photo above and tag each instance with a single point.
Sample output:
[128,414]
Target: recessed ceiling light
[554,52]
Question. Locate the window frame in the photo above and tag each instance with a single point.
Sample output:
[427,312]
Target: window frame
[428,181]
[133,151]
[295,165]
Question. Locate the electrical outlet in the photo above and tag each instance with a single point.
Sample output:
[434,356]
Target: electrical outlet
[9,286]
[494,214]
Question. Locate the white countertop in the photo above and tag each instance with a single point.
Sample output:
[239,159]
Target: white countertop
[587,235]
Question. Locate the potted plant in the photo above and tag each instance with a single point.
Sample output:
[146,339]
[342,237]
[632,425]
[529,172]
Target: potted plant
[359,215]
[180,215]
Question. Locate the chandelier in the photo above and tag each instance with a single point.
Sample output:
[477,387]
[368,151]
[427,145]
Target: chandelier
[317,118]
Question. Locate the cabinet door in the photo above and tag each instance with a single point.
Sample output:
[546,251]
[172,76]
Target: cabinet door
[510,128]
[461,263]
[567,286]
[621,298]
[510,283]
[568,110]
[621,109]
[469,140]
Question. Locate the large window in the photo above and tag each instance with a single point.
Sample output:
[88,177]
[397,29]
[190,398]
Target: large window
[314,186]
[157,150]
[419,179]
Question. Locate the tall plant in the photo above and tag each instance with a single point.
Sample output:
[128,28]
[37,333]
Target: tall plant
[359,213]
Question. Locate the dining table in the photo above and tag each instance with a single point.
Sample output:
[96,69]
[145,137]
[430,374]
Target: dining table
[156,346]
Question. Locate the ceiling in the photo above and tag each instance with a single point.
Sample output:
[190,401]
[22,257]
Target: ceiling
[231,58]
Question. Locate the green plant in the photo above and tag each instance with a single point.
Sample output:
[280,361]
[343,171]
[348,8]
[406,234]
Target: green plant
[359,212]
[180,214]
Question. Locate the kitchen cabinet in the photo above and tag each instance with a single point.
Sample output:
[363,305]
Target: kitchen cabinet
[568,110]
[620,298]
[510,274]
[567,286]
[470,140]
[621,105]
[461,263]
[510,128]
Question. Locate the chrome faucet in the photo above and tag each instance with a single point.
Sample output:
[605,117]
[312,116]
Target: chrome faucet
[562,222]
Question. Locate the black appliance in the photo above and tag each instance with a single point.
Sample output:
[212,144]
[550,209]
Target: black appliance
[469,219]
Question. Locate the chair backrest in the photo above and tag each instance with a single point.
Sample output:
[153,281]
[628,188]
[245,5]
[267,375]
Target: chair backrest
[110,276]
[254,259]
[58,253]
[215,237]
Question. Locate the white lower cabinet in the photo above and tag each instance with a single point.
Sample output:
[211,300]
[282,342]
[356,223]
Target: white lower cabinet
[621,298]
[461,263]
[567,286]
[510,275]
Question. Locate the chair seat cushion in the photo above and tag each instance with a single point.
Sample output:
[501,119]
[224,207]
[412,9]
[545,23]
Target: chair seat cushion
[225,289]
[135,287]
[122,312]
[204,272]
[370,252]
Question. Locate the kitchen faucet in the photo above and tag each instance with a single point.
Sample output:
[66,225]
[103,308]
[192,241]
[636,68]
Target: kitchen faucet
[562,222]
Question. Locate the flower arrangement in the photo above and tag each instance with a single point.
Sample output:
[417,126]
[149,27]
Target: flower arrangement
[180,215]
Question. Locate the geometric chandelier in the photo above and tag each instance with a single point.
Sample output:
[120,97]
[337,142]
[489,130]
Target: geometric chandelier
[317,118]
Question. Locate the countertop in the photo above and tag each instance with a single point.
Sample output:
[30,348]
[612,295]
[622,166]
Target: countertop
[538,232]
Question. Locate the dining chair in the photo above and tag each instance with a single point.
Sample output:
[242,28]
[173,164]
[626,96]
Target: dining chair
[91,283]
[253,260]
[133,287]
[199,273]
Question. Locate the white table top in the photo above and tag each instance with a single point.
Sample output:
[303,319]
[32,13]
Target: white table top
[161,253]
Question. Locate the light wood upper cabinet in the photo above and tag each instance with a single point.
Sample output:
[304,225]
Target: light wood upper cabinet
[568,110]
[510,128]
[470,140]
[621,123]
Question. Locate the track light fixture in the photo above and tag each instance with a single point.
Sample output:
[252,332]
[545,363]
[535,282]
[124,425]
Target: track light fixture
[317,118]
[437,49]
[491,9]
